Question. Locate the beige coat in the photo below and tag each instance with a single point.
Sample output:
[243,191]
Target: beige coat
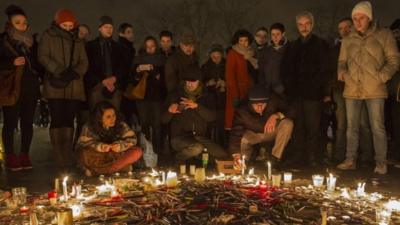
[367,62]
[54,54]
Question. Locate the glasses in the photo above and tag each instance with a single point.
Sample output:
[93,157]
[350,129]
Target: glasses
[19,195]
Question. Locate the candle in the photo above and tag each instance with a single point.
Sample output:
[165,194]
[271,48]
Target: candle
[172,179]
[383,215]
[56,185]
[52,195]
[318,180]
[331,183]
[287,177]
[276,180]
[251,172]
[64,217]
[360,189]
[182,169]
[65,190]
[253,208]
[76,210]
[163,177]
[192,169]
[114,194]
[33,219]
[200,175]
[269,170]
[24,209]
[243,164]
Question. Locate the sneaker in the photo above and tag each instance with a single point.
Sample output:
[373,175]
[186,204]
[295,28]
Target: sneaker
[381,168]
[12,162]
[25,161]
[347,165]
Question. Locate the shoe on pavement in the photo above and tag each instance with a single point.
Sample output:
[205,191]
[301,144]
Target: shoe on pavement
[347,165]
[25,161]
[381,168]
[12,162]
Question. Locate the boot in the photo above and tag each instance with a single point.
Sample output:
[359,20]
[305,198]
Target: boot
[56,139]
[67,143]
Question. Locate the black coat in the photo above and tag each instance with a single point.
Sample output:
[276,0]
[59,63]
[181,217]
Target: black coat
[270,68]
[189,122]
[305,69]
[210,70]
[128,53]
[95,73]
[30,77]
[175,67]
[246,118]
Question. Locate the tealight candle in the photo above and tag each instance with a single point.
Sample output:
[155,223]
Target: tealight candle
[172,179]
[276,180]
[24,209]
[253,208]
[192,169]
[200,175]
[182,169]
[76,210]
[318,180]
[331,183]
[287,177]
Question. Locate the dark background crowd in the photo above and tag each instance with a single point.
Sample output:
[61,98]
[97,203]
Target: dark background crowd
[317,98]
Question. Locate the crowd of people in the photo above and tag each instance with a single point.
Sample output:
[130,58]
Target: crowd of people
[269,99]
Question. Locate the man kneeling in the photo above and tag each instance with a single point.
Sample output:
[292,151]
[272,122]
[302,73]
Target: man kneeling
[264,118]
[189,113]
[107,144]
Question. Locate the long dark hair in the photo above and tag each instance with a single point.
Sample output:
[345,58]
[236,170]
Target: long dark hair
[95,123]
[149,38]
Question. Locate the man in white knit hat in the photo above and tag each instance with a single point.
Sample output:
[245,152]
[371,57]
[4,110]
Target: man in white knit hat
[368,59]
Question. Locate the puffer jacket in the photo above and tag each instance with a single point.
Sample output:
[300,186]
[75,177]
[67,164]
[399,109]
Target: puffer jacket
[367,62]
[54,54]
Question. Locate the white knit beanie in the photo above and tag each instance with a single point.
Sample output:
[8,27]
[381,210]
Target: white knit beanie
[364,8]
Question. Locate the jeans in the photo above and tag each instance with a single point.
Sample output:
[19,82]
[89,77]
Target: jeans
[366,145]
[192,146]
[376,116]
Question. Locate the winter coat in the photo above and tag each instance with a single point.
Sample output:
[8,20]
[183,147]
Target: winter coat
[30,77]
[367,62]
[190,122]
[305,69]
[155,83]
[335,84]
[270,68]
[128,53]
[214,71]
[247,119]
[175,68]
[54,54]
[238,83]
[96,72]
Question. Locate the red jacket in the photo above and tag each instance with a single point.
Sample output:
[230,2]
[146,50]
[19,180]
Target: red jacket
[238,83]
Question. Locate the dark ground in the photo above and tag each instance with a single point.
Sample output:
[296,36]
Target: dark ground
[41,178]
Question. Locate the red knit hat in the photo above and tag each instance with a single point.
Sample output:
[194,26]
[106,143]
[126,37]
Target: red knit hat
[65,15]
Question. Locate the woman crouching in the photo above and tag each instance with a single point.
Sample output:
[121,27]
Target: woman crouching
[107,144]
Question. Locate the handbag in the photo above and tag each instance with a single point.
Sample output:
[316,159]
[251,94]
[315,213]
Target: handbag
[138,91]
[10,82]
[65,77]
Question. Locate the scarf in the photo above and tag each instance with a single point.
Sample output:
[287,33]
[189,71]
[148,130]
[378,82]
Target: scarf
[193,95]
[105,44]
[21,37]
[282,43]
[247,53]
[155,59]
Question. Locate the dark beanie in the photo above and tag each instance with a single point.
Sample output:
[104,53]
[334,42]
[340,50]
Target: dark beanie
[395,25]
[216,48]
[105,20]
[277,26]
[258,94]
[192,73]
[13,10]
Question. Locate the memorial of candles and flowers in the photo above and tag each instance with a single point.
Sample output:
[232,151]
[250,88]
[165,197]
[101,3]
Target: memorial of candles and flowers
[196,196]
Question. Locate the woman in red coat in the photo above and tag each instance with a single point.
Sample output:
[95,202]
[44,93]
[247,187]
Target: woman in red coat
[239,62]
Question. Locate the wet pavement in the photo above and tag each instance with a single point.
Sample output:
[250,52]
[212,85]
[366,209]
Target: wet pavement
[41,178]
